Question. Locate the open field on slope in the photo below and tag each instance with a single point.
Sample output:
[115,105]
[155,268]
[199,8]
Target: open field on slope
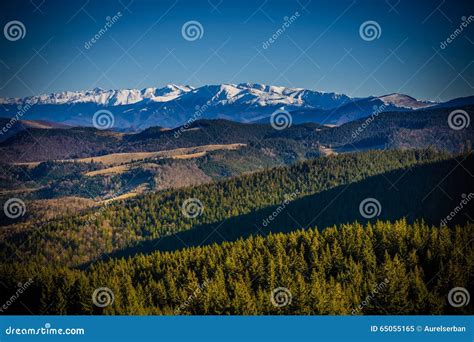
[40,211]
[109,171]
[326,151]
[116,159]
[136,191]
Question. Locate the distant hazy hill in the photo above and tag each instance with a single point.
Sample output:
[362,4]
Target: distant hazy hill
[361,108]
[407,129]
[13,127]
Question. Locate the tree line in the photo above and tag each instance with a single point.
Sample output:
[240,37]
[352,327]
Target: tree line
[380,268]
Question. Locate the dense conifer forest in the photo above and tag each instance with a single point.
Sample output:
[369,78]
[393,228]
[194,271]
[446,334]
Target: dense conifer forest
[380,268]
[287,240]
[78,239]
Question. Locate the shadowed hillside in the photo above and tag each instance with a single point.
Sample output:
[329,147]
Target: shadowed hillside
[422,191]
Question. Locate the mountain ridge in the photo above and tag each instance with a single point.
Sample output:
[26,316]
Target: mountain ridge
[174,105]
[403,129]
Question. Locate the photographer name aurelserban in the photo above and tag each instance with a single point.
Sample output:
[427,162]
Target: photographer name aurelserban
[443,328]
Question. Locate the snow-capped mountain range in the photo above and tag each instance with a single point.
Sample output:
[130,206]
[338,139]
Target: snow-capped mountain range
[105,97]
[174,105]
[247,93]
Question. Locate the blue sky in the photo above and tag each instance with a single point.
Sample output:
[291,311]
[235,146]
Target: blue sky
[321,49]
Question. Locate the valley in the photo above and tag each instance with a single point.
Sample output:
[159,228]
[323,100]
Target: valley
[168,208]
[307,161]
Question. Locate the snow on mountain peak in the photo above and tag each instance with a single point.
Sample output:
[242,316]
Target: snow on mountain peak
[105,97]
[404,101]
[250,95]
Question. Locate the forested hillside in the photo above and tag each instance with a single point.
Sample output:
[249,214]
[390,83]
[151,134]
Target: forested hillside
[77,239]
[410,129]
[382,268]
[420,129]
[123,173]
[422,191]
[224,193]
